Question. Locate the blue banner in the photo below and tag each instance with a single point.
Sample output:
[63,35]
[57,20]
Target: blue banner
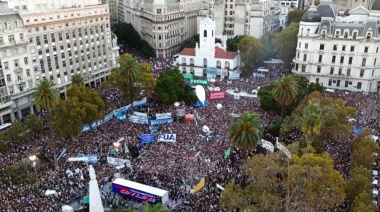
[201,104]
[106,119]
[139,103]
[92,158]
[86,128]
[133,193]
[161,121]
[94,125]
[122,117]
[211,71]
[147,138]
[62,154]
[138,119]
[154,128]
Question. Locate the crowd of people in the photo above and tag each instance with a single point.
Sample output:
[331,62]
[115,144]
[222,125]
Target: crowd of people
[175,167]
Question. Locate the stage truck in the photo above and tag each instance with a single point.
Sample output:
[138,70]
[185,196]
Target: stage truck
[140,191]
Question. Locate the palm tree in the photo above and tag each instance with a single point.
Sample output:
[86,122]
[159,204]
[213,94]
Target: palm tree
[246,131]
[129,71]
[46,97]
[311,122]
[77,79]
[285,92]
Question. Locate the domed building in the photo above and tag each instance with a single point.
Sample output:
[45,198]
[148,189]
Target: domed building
[340,51]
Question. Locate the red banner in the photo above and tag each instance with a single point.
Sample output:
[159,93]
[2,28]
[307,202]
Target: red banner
[217,95]
[190,117]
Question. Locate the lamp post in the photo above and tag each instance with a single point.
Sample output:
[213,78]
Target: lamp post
[208,161]
[33,158]
[117,146]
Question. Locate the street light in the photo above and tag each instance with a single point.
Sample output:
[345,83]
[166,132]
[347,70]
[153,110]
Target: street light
[116,145]
[176,104]
[33,158]
[208,161]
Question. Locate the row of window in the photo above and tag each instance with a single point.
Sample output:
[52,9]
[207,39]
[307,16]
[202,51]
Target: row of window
[218,63]
[333,70]
[11,38]
[333,59]
[64,15]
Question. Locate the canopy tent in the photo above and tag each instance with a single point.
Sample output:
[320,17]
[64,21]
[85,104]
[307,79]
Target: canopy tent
[357,131]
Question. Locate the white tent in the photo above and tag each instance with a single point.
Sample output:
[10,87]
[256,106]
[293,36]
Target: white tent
[375,193]
[375,182]
[375,173]
[51,192]
[67,208]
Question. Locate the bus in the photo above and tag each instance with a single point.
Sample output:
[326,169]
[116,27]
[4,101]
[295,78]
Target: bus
[5,127]
[140,191]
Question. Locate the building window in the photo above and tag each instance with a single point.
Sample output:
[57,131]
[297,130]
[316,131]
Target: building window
[28,72]
[335,47]
[11,38]
[304,57]
[6,65]
[359,85]
[316,80]
[330,82]
[343,48]
[346,84]
[349,60]
[355,34]
[16,63]
[306,45]
[366,49]
[341,59]
[320,59]
[1,40]
[361,72]
[318,69]
[340,71]
[352,48]
[368,36]
[303,68]
[333,59]
[332,70]
[205,33]
[322,47]
[364,61]
[338,83]
[204,62]
[348,71]
[9,79]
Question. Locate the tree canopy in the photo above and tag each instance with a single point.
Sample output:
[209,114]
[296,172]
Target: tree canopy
[171,87]
[295,15]
[285,43]
[359,181]
[250,52]
[308,183]
[233,42]
[363,150]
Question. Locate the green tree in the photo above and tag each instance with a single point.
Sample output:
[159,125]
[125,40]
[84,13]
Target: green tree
[171,87]
[363,149]
[67,118]
[34,124]
[363,203]
[18,133]
[146,80]
[77,79]
[88,100]
[20,173]
[295,15]
[4,143]
[359,181]
[285,92]
[307,183]
[311,122]
[250,51]
[285,43]
[190,42]
[129,71]
[46,97]
[267,100]
[246,131]
[266,42]
[233,42]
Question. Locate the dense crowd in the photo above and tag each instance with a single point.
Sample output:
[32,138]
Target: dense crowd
[170,166]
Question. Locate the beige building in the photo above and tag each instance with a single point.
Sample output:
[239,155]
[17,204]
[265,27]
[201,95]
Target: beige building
[42,39]
[164,24]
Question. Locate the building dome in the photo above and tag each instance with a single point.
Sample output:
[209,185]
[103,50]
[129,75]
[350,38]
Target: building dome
[326,10]
[311,15]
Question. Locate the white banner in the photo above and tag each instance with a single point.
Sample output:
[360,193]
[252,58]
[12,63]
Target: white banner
[267,145]
[163,115]
[167,137]
[138,119]
[140,114]
[118,161]
[283,149]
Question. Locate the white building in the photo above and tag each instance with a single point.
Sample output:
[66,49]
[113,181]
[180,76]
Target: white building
[340,52]
[114,10]
[54,40]
[208,58]
[238,17]
[164,24]
[283,17]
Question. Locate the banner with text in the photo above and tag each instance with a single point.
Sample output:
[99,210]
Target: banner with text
[181,111]
[161,121]
[217,95]
[138,119]
[199,81]
[118,161]
[167,137]
[232,75]
[147,138]
[163,115]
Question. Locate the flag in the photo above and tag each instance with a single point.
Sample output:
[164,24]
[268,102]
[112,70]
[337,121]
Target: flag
[227,153]
[199,186]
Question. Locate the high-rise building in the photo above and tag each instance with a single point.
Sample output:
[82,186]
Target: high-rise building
[340,51]
[164,24]
[51,39]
